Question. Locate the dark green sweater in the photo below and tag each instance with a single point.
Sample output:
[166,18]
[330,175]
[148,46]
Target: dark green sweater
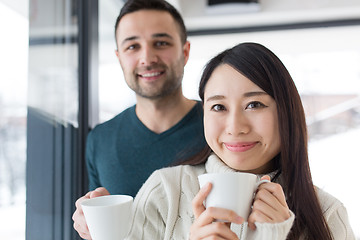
[122,152]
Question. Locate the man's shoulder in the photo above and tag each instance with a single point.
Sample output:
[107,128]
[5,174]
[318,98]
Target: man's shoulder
[125,115]
[198,106]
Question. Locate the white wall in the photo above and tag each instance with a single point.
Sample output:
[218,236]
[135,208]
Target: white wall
[271,12]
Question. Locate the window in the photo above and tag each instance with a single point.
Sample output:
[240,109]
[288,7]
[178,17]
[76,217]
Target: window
[13,98]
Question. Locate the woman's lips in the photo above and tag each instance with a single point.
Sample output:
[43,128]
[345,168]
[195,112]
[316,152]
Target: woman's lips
[240,146]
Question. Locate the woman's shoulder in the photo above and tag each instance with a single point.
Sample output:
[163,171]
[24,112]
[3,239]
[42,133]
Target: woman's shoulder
[335,215]
[329,204]
[180,172]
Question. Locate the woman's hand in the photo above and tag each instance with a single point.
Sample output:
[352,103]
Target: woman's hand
[269,205]
[204,226]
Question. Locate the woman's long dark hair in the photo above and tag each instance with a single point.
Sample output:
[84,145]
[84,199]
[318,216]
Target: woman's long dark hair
[265,69]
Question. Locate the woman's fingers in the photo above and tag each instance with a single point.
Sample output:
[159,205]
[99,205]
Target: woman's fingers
[215,230]
[197,202]
[269,205]
[212,214]
[274,208]
[205,225]
[276,190]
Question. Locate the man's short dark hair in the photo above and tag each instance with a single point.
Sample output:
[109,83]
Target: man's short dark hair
[160,5]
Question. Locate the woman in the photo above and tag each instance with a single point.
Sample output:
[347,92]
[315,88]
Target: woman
[253,122]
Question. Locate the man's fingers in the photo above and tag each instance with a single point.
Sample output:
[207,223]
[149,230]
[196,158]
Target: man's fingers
[79,219]
[80,225]
[100,191]
[80,200]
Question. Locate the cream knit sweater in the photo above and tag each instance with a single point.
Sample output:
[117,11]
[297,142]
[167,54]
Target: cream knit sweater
[162,208]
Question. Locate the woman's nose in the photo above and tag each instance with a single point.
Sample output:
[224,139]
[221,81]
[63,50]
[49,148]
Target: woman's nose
[237,124]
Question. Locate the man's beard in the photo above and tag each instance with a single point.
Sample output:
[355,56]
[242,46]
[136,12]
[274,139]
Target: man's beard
[169,86]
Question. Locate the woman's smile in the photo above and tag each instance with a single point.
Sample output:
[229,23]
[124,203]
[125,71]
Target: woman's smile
[240,146]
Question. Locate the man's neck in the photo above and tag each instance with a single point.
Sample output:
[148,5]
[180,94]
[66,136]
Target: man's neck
[161,114]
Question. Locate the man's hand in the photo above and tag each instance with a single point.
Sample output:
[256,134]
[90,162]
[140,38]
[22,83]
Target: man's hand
[78,217]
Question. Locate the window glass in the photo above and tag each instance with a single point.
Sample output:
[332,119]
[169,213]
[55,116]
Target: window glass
[114,94]
[13,95]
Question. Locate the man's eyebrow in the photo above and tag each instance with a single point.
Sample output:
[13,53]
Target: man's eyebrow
[129,39]
[155,35]
[159,35]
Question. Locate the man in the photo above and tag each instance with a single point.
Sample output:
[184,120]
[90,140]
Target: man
[163,127]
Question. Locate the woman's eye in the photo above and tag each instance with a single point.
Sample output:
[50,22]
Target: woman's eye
[218,108]
[254,105]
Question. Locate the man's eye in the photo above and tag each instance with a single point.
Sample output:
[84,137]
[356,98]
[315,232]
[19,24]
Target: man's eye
[132,47]
[218,108]
[161,44]
[254,105]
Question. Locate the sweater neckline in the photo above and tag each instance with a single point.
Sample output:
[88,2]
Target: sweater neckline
[193,111]
[215,165]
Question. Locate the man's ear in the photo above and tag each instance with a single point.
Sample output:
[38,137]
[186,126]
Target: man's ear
[117,54]
[186,50]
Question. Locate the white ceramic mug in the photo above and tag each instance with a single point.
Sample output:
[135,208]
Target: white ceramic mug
[108,217]
[234,191]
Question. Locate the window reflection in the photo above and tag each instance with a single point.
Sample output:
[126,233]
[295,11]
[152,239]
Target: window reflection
[53,85]
[13,95]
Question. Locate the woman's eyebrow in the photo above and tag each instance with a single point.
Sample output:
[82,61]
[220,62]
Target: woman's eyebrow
[252,94]
[215,97]
[246,95]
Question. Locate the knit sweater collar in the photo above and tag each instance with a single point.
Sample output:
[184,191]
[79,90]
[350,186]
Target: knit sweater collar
[215,165]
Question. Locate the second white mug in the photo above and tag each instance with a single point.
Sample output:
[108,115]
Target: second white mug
[108,217]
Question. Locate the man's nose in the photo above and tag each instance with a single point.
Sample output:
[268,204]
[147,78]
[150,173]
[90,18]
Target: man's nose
[148,56]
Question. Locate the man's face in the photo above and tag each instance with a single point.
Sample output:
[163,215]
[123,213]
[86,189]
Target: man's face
[151,54]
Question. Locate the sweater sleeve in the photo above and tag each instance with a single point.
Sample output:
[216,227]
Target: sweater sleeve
[265,231]
[149,210]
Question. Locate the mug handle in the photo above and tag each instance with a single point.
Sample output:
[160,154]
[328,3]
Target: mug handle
[261,182]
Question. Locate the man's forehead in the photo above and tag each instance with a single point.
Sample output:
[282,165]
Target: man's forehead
[149,23]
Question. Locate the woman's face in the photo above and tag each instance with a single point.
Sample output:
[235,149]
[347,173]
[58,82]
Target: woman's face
[240,121]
